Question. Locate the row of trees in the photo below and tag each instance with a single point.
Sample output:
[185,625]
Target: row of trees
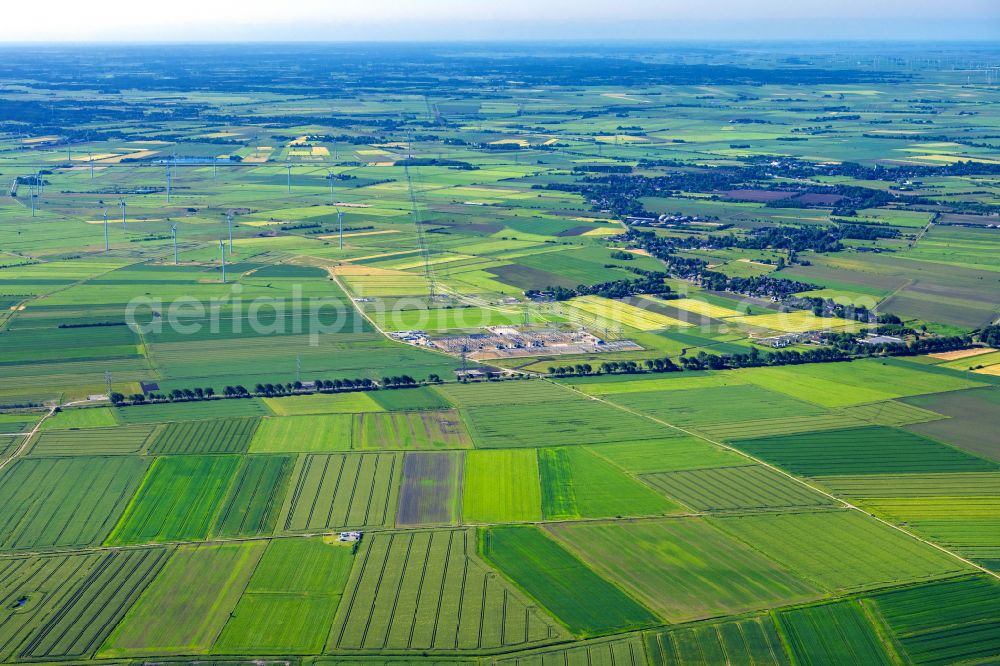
[845,347]
[268,390]
[649,282]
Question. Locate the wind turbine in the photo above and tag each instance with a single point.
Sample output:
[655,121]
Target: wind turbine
[107,244]
[173,233]
[121,202]
[229,219]
[31,194]
[168,182]
[330,173]
[289,167]
[340,221]
[222,253]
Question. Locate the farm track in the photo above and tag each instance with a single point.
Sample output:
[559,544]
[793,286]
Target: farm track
[27,440]
[844,503]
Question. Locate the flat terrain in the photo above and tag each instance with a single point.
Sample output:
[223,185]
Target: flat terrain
[629,355]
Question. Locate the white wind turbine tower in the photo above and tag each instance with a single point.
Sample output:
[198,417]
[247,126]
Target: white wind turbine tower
[340,221]
[222,253]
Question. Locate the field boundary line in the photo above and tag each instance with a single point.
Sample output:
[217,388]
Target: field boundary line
[27,440]
[843,502]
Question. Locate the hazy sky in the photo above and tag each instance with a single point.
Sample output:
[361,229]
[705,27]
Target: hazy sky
[364,20]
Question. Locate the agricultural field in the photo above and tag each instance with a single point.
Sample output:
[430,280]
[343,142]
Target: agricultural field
[51,502]
[177,500]
[341,490]
[734,488]
[842,549]
[716,405]
[616,313]
[255,497]
[184,609]
[833,633]
[579,484]
[750,641]
[684,569]
[501,487]
[582,600]
[201,437]
[555,424]
[304,597]
[945,622]
[313,433]
[124,440]
[427,590]
[542,354]
[871,450]
[435,429]
[430,492]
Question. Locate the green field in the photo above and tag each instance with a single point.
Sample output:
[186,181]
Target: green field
[428,591]
[123,440]
[711,406]
[255,497]
[684,569]
[751,641]
[184,609]
[945,622]
[626,651]
[303,434]
[873,450]
[437,429]
[583,601]
[340,491]
[837,633]
[68,419]
[562,352]
[51,579]
[201,437]
[81,624]
[177,500]
[578,484]
[667,455]
[735,488]
[841,550]
[319,403]
[501,486]
[191,411]
[555,424]
[52,502]
[288,609]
